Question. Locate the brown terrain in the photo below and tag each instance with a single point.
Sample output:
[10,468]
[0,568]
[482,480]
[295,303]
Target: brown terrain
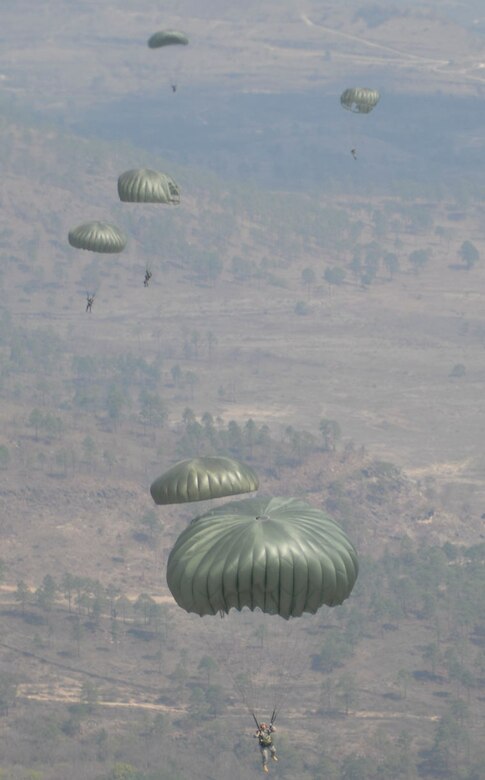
[379,359]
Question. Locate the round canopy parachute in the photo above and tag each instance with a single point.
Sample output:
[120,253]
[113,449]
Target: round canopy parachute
[200,479]
[142,185]
[167,38]
[97,237]
[278,555]
[360,100]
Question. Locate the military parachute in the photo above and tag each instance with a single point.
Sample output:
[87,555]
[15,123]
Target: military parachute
[279,555]
[359,100]
[200,479]
[167,38]
[143,185]
[97,237]
[173,61]
[267,566]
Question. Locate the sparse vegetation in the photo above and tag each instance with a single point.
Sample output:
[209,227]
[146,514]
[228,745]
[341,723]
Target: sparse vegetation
[103,678]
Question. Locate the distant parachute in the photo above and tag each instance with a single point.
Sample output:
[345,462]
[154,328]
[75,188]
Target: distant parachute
[277,555]
[97,237]
[167,38]
[200,479]
[142,185]
[359,100]
[172,61]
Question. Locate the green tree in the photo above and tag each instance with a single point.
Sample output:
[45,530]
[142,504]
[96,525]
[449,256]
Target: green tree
[211,343]
[431,655]
[115,401]
[403,678]
[192,380]
[372,260]
[152,522]
[333,653]
[347,689]
[22,594]
[53,426]
[144,606]
[469,254]
[77,633]
[207,266]
[198,705]
[8,692]
[330,431]
[208,666]
[176,373]
[391,262]
[235,439]
[122,771]
[418,259]
[308,278]
[46,593]
[250,435]
[35,421]
[458,371]
[89,449]
[302,308]
[241,268]
[89,694]
[355,264]
[68,585]
[334,276]
[216,700]
[380,223]
[153,411]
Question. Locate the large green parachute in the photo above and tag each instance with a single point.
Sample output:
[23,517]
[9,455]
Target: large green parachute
[167,38]
[200,479]
[278,555]
[97,237]
[359,100]
[142,185]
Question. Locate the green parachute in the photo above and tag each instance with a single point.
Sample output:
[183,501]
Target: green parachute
[359,100]
[167,38]
[97,237]
[200,479]
[142,185]
[277,555]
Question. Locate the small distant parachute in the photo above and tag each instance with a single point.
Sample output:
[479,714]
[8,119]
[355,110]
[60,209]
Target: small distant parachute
[359,100]
[167,38]
[173,61]
[279,555]
[97,237]
[200,479]
[142,185]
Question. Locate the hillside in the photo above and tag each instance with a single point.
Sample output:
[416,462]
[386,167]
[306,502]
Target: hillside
[317,316]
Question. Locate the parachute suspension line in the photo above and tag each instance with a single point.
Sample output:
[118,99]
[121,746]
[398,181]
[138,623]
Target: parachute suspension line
[225,650]
[290,665]
[256,674]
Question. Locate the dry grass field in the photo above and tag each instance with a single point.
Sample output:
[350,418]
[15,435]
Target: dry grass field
[230,327]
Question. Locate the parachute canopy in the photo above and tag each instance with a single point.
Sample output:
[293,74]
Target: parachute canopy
[360,100]
[142,185]
[167,38]
[279,555]
[97,237]
[200,479]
